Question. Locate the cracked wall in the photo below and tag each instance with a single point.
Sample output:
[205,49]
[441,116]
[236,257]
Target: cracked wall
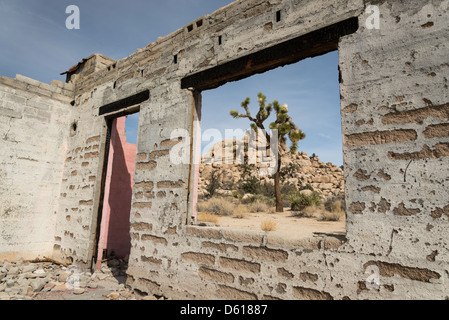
[394,102]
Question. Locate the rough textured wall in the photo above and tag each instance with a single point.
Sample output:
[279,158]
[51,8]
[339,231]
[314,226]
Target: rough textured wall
[389,87]
[81,182]
[33,130]
[394,117]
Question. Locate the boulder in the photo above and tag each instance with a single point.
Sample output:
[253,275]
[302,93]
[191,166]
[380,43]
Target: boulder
[38,284]
[13,271]
[306,192]
[64,276]
[4,296]
[246,197]
[326,178]
[29,268]
[325,186]
[113,295]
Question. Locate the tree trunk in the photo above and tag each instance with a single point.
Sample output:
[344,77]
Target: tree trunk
[277,187]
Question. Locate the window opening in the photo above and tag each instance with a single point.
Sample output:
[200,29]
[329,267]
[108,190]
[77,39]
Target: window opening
[312,184]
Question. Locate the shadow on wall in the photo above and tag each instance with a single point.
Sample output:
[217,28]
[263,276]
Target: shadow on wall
[115,239]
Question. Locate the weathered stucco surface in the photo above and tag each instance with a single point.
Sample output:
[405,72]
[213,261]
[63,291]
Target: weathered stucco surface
[395,112]
[34,130]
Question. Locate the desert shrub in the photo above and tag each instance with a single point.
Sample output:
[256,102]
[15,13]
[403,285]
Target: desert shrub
[236,194]
[312,211]
[201,206]
[216,206]
[228,185]
[307,187]
[336,206]
[332,203]
[286,203]
[264,191]
[240,211]
[261,198]
[250,185]
[300,201]
[267,190]
[288,188]
[334,210]
[214,183]
[207,217]
[247,169]
[330,215]
[268,225]
[288,171]
[258,206]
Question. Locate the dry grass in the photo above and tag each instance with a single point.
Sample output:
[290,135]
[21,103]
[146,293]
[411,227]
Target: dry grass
[201,206]
[312,211]
[216,206]
[335,214]
[331,216]
[268,225]
[321,214]
[207,217]
[226,207]
[210,211]
[259,206]
[240,212]
[336,206]
[224,212]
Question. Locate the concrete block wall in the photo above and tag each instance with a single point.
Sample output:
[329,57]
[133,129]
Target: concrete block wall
[33,129]
[82,173]
[395,111]
[393,224]
[394,124]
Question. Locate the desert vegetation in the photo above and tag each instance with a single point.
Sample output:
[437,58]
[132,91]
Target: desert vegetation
[254,196]
[301,185]
[283,127]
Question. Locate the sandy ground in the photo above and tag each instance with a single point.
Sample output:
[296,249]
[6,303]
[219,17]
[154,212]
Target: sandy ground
[287,223]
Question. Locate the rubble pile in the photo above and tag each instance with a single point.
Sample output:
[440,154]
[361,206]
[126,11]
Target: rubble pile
[49,280]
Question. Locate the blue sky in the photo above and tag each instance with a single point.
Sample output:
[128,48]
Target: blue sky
[310,88]
[34,42]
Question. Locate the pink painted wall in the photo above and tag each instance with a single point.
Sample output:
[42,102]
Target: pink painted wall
[114,233]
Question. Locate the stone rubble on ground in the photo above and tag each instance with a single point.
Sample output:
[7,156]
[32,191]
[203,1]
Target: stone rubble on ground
[27,280]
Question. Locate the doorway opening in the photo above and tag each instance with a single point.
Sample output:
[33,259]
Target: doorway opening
[113,237]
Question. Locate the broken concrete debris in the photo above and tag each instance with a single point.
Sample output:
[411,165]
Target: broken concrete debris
[23,280]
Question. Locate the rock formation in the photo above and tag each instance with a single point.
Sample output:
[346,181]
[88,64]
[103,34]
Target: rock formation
[299,170]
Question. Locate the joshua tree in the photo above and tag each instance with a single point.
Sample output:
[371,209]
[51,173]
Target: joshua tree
[284,126]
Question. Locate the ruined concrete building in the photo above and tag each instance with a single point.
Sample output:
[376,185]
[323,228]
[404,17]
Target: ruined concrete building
[395,111]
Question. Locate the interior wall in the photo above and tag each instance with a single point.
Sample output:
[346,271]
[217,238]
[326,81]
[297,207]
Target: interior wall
[34,126]
[114,238]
